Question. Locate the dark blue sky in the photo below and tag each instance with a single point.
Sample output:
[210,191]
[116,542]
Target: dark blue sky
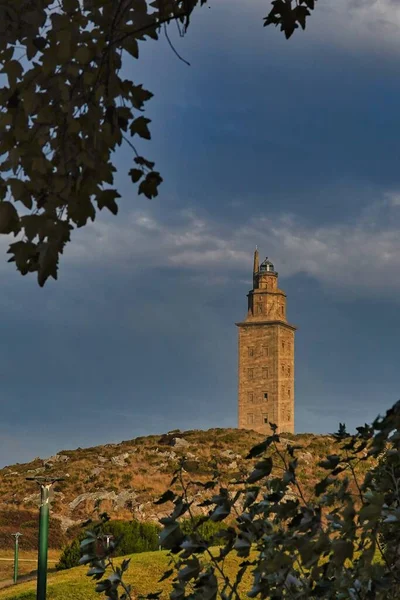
[291,145]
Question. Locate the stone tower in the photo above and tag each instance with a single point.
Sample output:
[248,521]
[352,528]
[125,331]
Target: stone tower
[266,356]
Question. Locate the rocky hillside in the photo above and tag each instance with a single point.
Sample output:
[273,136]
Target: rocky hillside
[124,479]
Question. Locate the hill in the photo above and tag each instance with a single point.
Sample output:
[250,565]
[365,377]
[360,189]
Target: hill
[124,479]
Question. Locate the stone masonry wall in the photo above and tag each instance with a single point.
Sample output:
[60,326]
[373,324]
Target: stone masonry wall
[266,361]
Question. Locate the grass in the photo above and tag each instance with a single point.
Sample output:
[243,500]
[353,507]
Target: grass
[27,562]
[143,574]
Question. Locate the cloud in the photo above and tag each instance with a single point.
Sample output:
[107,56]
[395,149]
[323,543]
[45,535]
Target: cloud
[361,256]
[360,23]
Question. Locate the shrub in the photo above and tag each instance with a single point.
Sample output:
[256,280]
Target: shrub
[131,537]
[70,555]
[207,530]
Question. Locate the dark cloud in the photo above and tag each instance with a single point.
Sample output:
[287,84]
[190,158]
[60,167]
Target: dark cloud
[293,143]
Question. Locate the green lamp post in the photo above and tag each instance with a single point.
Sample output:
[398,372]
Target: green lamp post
[16,538]
[45,484]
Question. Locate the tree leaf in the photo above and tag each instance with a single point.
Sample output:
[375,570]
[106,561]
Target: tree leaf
[171,536]
[166,575]
[166,497]
[139,126]
[48,262]
[149,187]
[136,174]
[262,469]
[9,219]
[106,198]
[260,448]
[190,571]
[39,43]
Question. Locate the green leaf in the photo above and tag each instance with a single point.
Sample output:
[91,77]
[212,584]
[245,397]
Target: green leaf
[136,174]
[70,6]
[9,219]
[39,42]
[33,225]
[143,162]
[372,511]
[260,448]
[190,571]
[221,512]
[166,575]
[24,254]
[106,199]
[166,497]
[178,592]
[64,48]
[139,96]
[83,55]
[131,46]
[13,70]
[139,126]
[322,485]
[48,262]
[20,192]
[125,564]
[262,469]
[331,462]
[171,536]
[342,550]
[149,187]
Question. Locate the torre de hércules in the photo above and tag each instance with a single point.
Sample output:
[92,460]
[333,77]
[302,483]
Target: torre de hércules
[266,356]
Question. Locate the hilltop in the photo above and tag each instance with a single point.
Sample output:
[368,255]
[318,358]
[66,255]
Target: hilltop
[124,479]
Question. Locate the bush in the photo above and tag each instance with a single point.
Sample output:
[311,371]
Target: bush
[70,555]
[131,537]
[208,530]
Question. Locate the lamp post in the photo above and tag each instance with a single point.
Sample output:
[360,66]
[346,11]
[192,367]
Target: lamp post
[16,536]
[45,484]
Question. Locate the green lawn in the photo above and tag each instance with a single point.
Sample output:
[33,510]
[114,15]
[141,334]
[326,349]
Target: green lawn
[143,574]
[27,562]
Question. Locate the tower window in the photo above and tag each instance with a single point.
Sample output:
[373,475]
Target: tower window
[288,370]
[283,345]
[265,351]
[265,372]
[259,309]
[265,396]
[250,373]
[265,418]
[288,393]
[282,311]
[283,369]
[250,419]
[251,351]
[250,397]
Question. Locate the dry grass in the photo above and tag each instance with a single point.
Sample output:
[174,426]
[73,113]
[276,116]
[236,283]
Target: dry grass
[147,472]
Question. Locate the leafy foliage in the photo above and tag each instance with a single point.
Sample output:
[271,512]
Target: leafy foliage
[65,109]
[70,555]
[289,14]
[130,537]
[344,543]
